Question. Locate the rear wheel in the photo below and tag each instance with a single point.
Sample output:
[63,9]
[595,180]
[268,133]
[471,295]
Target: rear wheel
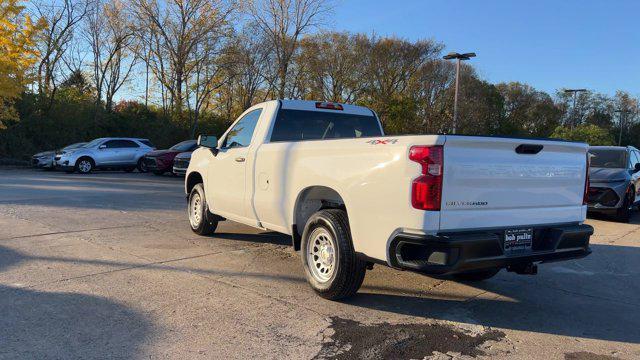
[201,220]
[142,167]
[476,275]
[331,266]
[84,165]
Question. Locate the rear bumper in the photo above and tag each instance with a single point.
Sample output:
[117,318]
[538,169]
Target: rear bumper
[450,253]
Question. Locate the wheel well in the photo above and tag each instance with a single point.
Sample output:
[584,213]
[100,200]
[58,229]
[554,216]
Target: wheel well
[309,201]
[193,179]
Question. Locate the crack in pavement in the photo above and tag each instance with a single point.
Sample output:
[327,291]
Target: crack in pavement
[69,231]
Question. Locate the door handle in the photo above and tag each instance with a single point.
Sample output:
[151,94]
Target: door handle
[240,159]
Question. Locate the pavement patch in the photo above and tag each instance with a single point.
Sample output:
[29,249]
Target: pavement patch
[354,340]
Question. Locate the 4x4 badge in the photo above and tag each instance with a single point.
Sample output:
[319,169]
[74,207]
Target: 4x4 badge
[382,141]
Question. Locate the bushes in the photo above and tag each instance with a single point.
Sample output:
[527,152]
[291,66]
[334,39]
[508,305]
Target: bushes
[73,118]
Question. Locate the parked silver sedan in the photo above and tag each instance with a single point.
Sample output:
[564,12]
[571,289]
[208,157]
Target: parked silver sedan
[45,159]
[112,153]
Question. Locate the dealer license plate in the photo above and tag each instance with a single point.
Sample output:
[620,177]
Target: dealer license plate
[518,241]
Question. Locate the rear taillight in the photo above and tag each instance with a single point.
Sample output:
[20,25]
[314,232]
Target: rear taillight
[585,197]
[426,190]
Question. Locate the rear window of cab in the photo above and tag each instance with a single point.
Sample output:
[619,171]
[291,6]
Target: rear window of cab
[301,125]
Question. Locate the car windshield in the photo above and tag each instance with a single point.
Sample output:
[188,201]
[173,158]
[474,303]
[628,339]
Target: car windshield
[184,146]
[608,158]
[74,146]
[94,143]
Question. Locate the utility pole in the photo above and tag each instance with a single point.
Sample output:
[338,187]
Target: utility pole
[459,58]
[575,96]
[621,121]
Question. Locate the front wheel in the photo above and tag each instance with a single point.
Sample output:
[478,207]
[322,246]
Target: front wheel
[623,214]
[201,220]
[330,263]
[84,165]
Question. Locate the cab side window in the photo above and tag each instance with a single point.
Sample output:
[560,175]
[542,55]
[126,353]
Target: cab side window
[128,144]
[242,132]
[111,144]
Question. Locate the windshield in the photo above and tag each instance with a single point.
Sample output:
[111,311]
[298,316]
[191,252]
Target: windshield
[298,125]
[613,159]
[74,146]
[94,143]
[184,146]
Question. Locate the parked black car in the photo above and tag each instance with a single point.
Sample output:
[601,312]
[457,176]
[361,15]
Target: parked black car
[614,180]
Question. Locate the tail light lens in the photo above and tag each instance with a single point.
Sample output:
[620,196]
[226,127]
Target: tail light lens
[585,197]
[426,190]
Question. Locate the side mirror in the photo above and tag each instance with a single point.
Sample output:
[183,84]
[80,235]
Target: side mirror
[103,146]
[208,141]
[636,167]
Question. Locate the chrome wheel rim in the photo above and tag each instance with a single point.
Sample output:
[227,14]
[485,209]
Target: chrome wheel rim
[195,210]
[321,255]
[84,166]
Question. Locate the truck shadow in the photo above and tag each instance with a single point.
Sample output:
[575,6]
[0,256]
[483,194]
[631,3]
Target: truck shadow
[37,324]
[597,297]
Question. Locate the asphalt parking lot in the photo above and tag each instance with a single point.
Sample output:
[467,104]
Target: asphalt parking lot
[105,266]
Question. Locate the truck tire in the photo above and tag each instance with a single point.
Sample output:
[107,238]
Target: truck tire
[202,222]
[477,275]
[330,263]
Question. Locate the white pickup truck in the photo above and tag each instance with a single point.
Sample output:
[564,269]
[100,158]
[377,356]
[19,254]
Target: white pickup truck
[350,196]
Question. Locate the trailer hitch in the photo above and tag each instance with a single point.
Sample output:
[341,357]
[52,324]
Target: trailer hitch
[524,269]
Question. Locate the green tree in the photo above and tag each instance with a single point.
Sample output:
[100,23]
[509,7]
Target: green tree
[590,134]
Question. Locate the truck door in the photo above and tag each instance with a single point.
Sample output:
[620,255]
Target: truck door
[227,179]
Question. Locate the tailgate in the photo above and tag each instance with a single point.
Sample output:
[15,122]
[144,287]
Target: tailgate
[504,182]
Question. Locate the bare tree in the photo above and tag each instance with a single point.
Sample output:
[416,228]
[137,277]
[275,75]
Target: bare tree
[182,37]
[111,36]
[62,17]
[249,59]
[283,22]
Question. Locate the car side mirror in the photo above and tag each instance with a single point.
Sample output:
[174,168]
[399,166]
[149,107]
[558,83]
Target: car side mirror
[208,141]
[636,168]
[103,146]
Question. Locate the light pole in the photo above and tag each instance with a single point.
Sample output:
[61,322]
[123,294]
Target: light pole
[575,95]
[623,114]
[458,57]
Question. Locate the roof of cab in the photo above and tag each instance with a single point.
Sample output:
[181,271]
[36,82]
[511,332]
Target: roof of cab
[311,106]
